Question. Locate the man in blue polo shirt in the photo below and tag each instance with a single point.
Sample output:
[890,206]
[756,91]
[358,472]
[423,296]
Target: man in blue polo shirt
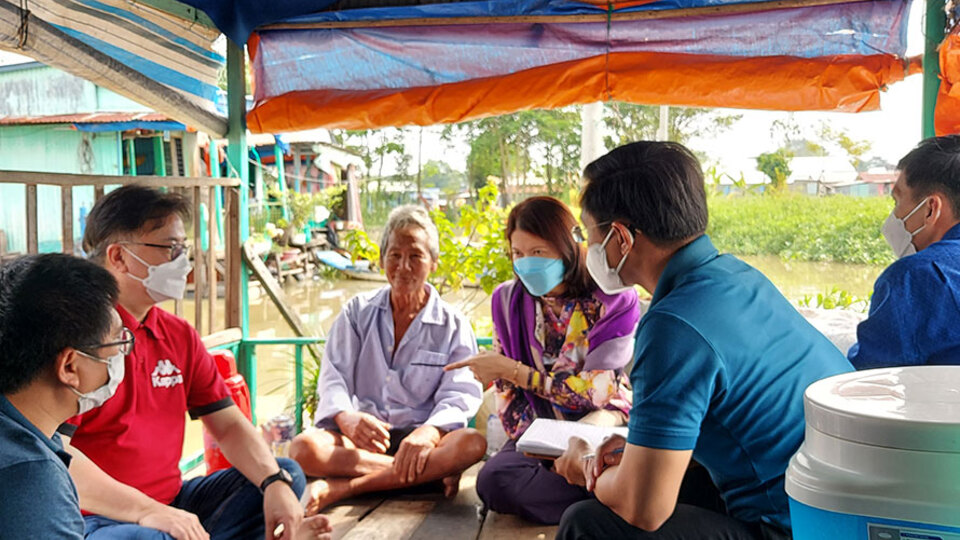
[915,309]
[61,346]
[721,363]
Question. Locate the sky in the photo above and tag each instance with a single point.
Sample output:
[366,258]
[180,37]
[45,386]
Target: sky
[892,131]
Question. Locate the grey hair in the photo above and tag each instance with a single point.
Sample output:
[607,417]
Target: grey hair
[411,215]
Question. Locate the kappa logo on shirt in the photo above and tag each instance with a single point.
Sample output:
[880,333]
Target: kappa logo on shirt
[166,375]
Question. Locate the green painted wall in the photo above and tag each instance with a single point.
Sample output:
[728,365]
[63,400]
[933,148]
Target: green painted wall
[39,90]
[51,148]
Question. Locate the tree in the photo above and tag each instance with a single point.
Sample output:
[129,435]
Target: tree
[877,162]
[510,147]
[558,136]
[776,165]
[630,122]
[854,148]
[499,146]
[438,174]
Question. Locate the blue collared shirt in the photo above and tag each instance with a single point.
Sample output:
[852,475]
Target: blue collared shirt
[406,387]
[915,310]
[721,363]
[37,496]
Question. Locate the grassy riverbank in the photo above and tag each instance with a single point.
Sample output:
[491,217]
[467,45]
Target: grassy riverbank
[795,227]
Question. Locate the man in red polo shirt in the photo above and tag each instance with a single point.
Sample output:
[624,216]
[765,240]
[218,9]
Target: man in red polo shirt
[126,453]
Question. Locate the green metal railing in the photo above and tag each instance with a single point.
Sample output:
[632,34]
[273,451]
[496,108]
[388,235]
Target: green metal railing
[245,351]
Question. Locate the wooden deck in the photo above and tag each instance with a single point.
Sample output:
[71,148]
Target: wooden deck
[428,517]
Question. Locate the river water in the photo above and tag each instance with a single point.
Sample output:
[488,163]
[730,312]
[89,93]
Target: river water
[319,301]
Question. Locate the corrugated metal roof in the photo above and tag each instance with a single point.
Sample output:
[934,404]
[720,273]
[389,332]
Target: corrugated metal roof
[84,118]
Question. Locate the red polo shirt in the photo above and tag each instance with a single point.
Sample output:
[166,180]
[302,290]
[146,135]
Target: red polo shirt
[137,435]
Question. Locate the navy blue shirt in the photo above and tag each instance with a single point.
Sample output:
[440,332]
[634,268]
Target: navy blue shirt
[915,310]
[721,363]
[37,496]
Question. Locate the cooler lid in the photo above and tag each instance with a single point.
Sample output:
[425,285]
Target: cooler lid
[911,408]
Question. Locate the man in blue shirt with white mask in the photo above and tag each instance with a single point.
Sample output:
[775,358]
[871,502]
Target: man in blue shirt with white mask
[915,310]
[61,353]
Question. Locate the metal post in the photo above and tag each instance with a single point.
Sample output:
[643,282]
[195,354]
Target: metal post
[298,388]
[218,196]
[237,152]
[281,181]
[132,156]
[936,21]
[159,162]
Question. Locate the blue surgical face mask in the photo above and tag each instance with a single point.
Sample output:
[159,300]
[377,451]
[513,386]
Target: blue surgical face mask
[539,274]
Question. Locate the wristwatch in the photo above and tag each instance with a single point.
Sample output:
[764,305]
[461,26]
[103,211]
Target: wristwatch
[282,475]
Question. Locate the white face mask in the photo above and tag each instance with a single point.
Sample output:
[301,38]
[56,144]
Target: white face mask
[95,398]
[608,279]
[165,281]
[896,234]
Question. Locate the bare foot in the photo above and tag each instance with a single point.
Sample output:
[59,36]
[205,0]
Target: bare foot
[315,528]
[451,485]
[323,492]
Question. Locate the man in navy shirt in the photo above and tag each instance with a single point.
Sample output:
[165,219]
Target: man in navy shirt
[915,309]
[721,362]
[60,341]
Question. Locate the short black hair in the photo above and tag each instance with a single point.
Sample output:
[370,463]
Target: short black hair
[129,209]
[48,303]
[654,187]
[934,165]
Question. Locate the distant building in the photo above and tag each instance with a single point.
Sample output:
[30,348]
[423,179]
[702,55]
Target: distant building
[820,175]
[51,121]
[810,175]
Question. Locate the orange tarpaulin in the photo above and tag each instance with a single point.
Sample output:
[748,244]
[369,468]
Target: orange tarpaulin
[947,112]
[839,83]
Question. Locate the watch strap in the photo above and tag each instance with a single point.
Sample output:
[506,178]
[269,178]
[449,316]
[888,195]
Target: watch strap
[282,475]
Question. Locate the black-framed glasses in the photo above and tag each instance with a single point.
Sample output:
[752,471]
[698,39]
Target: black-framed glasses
[579,233]
[125,343]
[176,248]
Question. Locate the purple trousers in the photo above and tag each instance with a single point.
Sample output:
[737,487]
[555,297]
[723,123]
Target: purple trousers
[512,483]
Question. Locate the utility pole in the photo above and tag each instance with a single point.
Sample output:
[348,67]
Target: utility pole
[591,134]
[663,129]
[420,164]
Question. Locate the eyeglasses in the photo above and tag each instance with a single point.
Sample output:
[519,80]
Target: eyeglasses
[176,248]
[579,233]
[125,342]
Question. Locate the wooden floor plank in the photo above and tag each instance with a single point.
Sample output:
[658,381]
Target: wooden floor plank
[455,518]
[345,515]
[395,519]
[507,527]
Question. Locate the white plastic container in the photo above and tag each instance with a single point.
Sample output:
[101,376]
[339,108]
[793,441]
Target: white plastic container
[881,457]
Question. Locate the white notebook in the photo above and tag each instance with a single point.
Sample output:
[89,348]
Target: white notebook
[550,438]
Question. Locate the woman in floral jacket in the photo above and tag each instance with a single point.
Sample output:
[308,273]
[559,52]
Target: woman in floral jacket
[560,348]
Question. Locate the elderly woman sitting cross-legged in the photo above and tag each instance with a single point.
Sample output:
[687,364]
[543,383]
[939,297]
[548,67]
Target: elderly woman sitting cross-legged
[389,416]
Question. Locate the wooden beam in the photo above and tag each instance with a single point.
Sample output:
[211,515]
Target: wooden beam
[32,243]
[198,263]
[234,313]
[223,337]
[55,48]
[211,262]
[600,17]
[66,224]
[63,179]
[275,292]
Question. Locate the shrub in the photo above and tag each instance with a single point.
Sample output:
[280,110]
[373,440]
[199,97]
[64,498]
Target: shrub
[836,228]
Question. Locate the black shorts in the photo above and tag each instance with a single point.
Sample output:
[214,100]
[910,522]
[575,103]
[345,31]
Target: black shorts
[397,435]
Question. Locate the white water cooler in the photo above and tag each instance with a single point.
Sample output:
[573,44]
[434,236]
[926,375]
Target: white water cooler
[881,457]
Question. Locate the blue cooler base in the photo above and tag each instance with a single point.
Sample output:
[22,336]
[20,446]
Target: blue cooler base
[814,524]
